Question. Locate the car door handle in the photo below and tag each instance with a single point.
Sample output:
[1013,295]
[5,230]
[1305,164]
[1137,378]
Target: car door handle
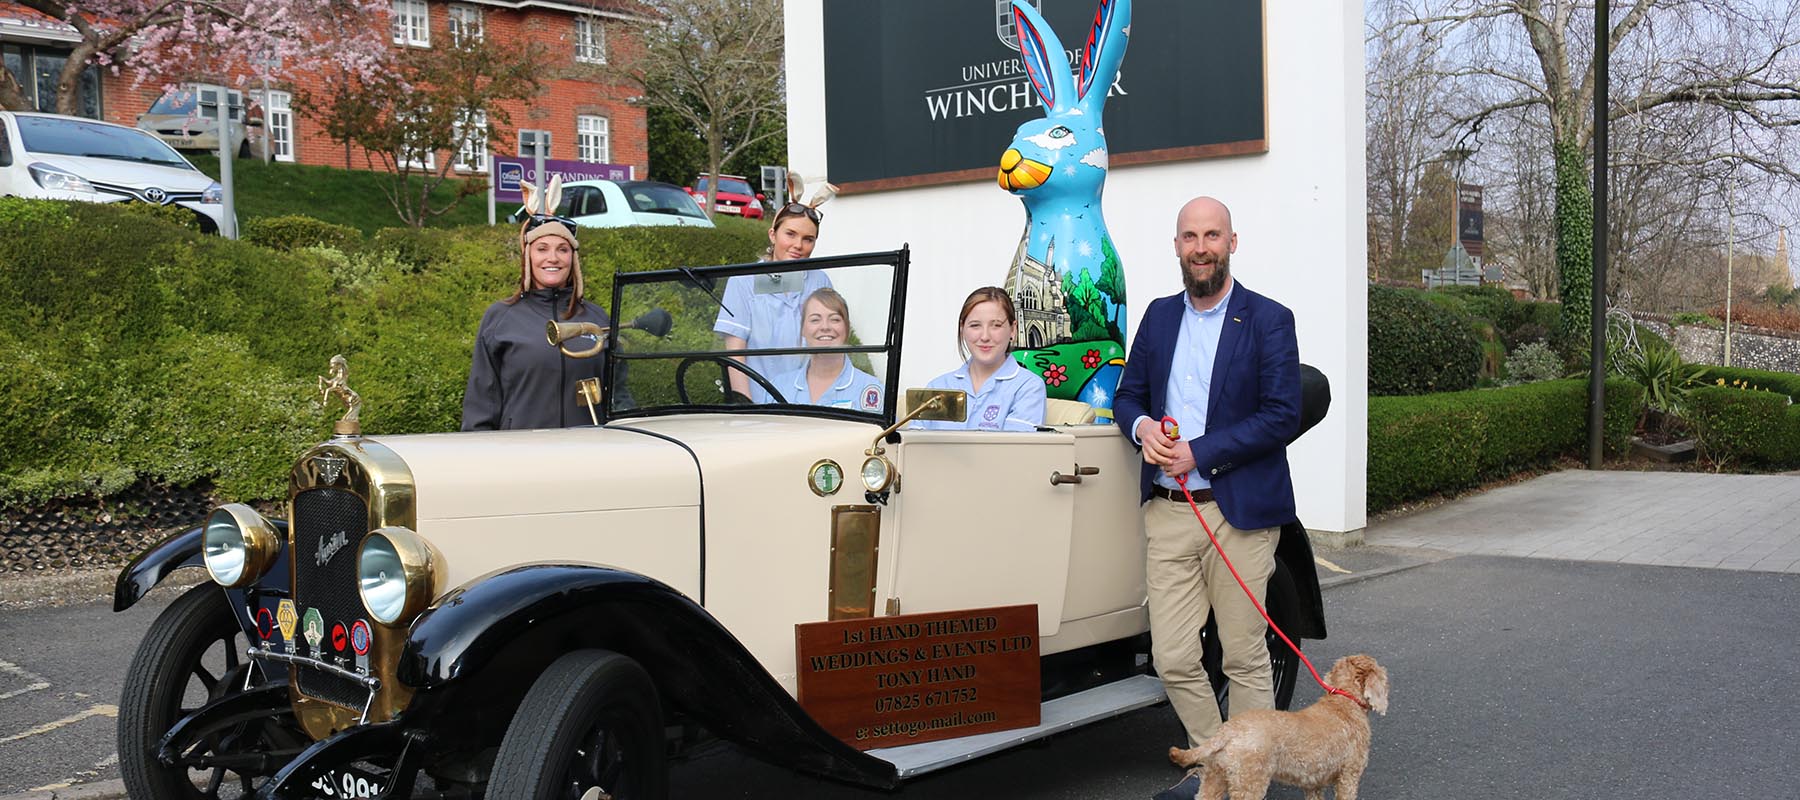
[1059,479]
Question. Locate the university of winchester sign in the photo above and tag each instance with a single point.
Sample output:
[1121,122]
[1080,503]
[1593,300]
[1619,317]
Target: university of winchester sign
[921,92]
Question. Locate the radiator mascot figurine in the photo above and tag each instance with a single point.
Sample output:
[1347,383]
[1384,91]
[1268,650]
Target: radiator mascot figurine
[1066,279]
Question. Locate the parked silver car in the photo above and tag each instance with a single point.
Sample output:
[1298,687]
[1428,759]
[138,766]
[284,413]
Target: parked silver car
[54,157]
[618,204]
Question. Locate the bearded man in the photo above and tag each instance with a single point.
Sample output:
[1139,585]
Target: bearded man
[1223,363]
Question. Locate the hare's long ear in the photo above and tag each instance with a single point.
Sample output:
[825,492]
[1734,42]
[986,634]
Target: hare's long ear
[1042,53]
[796,187]
[1105,50]
[532,198]
[553,195]
[823,195]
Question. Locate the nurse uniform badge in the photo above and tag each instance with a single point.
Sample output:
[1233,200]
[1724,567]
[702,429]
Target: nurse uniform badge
[871,398]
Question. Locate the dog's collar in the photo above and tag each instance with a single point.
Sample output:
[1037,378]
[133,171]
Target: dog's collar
[1361,703]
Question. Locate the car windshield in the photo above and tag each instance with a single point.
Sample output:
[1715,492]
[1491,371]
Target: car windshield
[729,185]
[660,198]
[832,319]
[74,137]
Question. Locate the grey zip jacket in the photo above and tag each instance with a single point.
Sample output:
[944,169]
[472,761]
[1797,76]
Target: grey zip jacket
[516,379]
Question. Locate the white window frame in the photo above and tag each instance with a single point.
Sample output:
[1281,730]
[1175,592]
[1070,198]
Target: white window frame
[466,23]
[411,23]
[590,40]
[278,124]
[471,150]
[428,163]
[593,139]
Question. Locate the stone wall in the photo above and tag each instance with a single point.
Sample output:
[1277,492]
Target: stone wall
[1754,348]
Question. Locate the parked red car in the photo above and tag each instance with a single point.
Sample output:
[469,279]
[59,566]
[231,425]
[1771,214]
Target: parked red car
[735,196]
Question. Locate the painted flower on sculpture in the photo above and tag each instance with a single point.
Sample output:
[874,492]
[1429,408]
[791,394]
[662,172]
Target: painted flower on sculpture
[1056,375]
[1091,359]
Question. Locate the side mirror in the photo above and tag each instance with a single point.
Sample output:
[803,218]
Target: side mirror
[759,196]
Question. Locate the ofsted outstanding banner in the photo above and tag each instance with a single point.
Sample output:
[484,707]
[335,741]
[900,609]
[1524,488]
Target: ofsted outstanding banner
[921,92]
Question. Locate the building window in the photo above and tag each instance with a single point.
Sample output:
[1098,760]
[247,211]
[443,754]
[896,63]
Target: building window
[590,41]
[529,138]
[472,150]
[592,143]
[38,69]
[416,154]
[412,23]
[278,122]
[465,23]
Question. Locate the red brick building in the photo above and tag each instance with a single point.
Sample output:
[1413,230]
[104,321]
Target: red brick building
[582,112]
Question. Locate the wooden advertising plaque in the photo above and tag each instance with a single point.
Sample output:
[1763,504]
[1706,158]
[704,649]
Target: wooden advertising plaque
[890,681]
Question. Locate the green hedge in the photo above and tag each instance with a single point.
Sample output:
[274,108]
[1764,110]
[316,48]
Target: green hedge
[1426,444]
[1786,383]
[294,231]
[1745,426]
[1418,347]
[134,349]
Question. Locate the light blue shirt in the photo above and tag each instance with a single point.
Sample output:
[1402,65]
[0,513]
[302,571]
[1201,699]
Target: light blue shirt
[853,389]
[1012,399]
[768,319]
[1190,379]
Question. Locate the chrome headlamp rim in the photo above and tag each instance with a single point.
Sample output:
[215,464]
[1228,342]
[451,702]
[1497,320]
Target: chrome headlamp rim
[238,545]
[418,569]
[877,473]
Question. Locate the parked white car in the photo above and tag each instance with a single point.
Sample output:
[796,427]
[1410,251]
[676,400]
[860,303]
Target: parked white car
[54,157]
[618,204]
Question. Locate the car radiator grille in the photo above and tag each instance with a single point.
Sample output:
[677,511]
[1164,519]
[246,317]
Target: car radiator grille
[320,515]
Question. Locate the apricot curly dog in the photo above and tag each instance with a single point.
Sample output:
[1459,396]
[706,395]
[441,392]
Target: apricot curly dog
[1324,744]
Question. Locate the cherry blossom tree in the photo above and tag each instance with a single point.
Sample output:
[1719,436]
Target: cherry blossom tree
[167,41]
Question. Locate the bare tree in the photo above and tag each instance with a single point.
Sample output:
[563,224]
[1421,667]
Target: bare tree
[718,65]
[1532,56]
[1403,91]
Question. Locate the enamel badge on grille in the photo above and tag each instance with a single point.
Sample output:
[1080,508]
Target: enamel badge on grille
[330,467]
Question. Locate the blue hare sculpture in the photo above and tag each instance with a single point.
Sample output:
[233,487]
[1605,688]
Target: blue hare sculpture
[1066,279]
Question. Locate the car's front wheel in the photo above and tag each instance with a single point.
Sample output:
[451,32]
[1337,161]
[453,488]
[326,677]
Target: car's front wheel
[591,721]
[192,654]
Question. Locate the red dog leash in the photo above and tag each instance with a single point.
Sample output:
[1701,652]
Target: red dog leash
[1172,430]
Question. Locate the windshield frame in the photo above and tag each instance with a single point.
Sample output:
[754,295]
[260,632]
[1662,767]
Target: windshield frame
[898,260]
[94,130]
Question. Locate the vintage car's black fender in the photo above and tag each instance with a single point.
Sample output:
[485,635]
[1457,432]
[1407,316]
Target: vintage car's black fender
[476,652]
[179,551]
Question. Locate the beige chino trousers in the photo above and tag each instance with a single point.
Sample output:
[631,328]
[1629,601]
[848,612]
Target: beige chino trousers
[1187,580]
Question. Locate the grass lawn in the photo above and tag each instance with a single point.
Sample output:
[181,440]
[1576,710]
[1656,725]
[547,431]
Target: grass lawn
[345,196]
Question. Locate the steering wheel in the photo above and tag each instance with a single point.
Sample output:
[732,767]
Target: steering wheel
[732,397]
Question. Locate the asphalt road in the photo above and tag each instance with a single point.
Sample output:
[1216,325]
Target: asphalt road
[1512,678]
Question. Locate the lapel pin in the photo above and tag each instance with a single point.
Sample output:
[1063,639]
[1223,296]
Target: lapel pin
[1235,319]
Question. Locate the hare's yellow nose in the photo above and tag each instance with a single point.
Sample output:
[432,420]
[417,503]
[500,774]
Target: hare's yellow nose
[1018,172]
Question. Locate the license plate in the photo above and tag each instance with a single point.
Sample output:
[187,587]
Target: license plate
[730,210]
[347,783]
[181,142]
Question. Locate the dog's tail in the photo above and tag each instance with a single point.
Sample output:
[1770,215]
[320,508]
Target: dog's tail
[1198,755]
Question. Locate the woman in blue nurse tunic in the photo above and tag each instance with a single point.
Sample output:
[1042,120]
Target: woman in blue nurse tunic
[829,379]
[1003,395]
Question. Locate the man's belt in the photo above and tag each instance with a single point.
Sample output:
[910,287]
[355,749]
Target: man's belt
[1200,495]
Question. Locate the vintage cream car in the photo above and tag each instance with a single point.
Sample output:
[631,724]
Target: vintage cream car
[549,613]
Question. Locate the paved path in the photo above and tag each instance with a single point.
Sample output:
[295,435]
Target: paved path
[1671,519]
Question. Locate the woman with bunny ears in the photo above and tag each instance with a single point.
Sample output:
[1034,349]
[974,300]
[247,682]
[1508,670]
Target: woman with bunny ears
[516,380]
[764,310]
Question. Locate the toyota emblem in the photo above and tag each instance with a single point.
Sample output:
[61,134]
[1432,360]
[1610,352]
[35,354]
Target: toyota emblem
[156,195]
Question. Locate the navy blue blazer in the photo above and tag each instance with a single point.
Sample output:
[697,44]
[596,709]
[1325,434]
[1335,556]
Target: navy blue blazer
[1253,408]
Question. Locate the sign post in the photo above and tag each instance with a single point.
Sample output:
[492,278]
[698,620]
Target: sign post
[220,108]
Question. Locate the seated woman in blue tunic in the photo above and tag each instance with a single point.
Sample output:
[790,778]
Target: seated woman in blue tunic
[1003,395]
[829,379]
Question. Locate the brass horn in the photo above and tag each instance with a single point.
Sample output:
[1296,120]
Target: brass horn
[559,332]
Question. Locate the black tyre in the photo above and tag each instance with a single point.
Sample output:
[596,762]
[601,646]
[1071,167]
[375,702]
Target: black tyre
[244,148]
[591,720]
[193,653]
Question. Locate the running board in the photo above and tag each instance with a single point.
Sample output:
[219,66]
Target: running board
[1061,714]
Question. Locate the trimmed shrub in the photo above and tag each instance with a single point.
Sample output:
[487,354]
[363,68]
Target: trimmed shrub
[172,214]
[1434,443]
[295,231]
[1696,318]
[1786,383]
[1533,362]
[1744,426]
[418,248]
[1416,347]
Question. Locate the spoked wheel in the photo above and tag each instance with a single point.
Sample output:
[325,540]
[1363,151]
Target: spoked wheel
[192,654]
[727,364]
[591,722]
